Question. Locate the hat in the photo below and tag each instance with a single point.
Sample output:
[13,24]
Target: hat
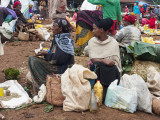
[129,18]
[16,4]
[137,1]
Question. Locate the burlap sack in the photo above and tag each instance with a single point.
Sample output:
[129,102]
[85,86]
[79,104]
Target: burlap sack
[54,95]
[156,105]
[153,81]
[141,67]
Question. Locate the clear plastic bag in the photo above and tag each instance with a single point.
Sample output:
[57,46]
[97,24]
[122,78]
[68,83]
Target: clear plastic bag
[121,98]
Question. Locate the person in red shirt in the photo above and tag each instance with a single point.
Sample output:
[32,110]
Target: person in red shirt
[142,10]
[143,21]
[152,23]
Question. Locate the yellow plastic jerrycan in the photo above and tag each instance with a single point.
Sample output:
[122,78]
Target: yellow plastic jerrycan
[1,92]
[98,88]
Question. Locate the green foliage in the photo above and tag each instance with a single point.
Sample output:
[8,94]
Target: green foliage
[156,2]
[78,51]
[11,74]
[127,58]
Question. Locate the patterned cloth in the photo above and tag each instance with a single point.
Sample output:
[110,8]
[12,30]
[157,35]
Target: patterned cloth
[39,69]
[65,43]
[85,20]
[89,17]
[128,34]
[62,22]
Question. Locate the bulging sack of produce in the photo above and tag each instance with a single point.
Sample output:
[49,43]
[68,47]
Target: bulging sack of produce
[144,95]
[121,98]
[153,81]
[76,88]
[156,105]
[54,95]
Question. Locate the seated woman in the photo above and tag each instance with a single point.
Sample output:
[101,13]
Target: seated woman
[143,21]
[58,59]
[4,13]
[104,54]
[130,32]
[21,22]
[153,21]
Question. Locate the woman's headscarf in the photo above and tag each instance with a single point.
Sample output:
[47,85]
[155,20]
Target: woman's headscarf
[129,18]
[62,22]
[106,24]
[16,4]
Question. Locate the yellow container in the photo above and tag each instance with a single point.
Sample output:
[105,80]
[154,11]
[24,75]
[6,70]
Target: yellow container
[1,92]
[98,88]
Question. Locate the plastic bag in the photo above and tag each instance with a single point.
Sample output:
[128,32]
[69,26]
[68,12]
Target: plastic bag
[1,47]
[9,18]
[12,24]
[121,98]
[41,94]
[144,96]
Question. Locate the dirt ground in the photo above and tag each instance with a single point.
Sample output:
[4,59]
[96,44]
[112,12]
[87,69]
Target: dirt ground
[16,56]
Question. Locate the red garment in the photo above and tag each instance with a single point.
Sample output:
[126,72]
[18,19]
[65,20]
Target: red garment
[75,17]
[145,21]
[113,29]
[16,4]
[126,10]
[142,10]
[152,22]
[130,18]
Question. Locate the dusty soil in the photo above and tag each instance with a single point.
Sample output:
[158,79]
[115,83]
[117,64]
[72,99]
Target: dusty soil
[16,56]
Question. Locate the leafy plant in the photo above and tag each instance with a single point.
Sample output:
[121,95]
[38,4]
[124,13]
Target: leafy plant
[156,2]
[11,74]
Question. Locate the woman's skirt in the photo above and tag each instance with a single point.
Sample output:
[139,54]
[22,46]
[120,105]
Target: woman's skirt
[106,75]
[84,23]
[39,69]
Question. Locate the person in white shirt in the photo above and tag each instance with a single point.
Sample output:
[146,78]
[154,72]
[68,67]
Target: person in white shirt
[130,32]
